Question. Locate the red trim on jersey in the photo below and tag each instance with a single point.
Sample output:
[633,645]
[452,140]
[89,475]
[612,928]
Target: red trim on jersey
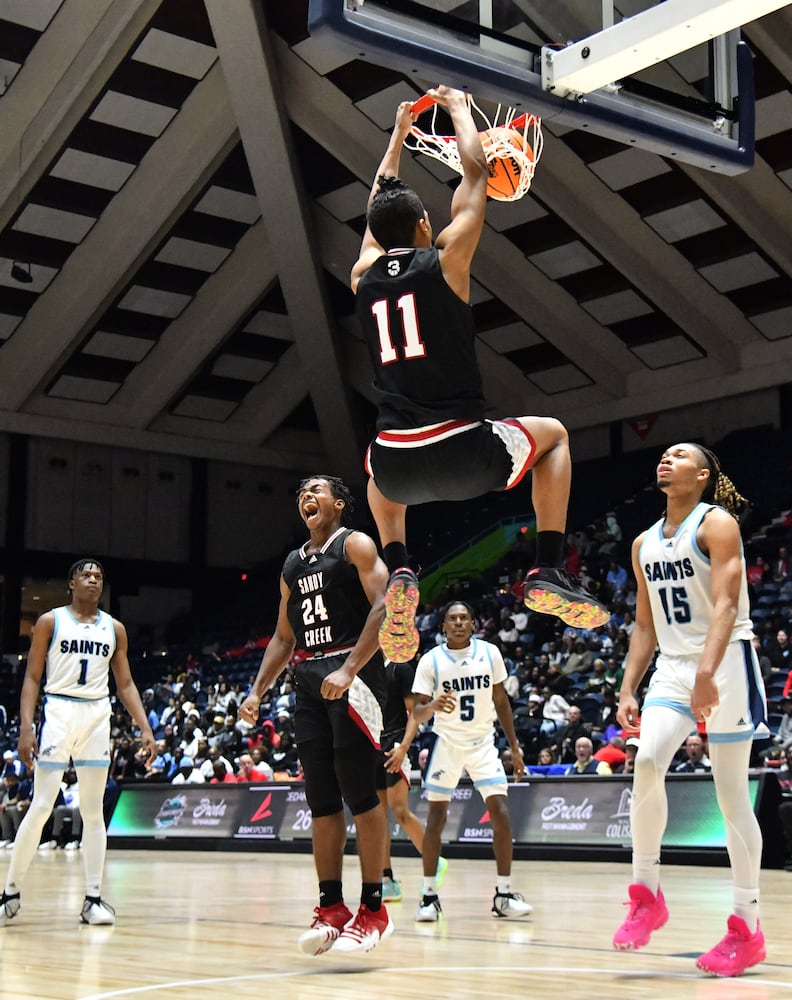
[527,465]
[425,436]
[358,720]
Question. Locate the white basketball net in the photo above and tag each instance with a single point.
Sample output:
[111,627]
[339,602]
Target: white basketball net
[496,146]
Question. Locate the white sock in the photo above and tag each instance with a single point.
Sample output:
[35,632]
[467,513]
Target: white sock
[504,884]
[646,871]
[429,886]
[746,905]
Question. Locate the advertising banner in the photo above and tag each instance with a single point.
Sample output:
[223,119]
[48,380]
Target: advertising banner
[544,811]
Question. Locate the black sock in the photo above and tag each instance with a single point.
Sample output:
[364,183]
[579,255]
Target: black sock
[371,895]
[550,548]
[387,873]
[330,893]
[395,556]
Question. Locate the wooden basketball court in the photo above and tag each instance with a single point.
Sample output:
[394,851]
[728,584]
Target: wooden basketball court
[194,925]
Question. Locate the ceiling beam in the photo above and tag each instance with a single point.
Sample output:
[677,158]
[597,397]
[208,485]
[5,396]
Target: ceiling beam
[127,233]
[255,93]
[64,73]
[609,224]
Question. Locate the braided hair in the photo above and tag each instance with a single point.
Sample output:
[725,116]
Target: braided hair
[394,213]
[79,566]
[340,491]
[720,489]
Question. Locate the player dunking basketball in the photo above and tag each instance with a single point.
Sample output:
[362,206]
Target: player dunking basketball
[433,442]
[693,604]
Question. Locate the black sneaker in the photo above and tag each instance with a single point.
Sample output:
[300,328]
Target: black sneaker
[556,592]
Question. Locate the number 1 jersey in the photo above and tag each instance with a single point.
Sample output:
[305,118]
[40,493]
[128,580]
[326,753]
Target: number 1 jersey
[79,655]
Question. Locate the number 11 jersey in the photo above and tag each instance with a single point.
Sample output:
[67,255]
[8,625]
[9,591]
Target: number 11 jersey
[421,338]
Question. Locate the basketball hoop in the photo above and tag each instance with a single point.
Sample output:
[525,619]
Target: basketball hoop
[512,146]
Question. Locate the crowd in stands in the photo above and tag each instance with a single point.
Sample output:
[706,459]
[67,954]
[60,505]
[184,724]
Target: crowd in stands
[563,685]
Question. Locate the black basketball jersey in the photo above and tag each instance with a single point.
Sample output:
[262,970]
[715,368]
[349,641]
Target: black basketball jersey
[399,678]
[327,606]
[420,337]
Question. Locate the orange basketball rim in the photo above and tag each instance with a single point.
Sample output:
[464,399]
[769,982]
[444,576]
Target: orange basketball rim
[512,145]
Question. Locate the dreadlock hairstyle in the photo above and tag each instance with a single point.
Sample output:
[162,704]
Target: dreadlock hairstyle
[394,213]
[80,565]
[720,489]
[340,491]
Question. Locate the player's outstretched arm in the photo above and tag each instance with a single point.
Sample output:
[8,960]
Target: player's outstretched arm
[458,241]
[370,249]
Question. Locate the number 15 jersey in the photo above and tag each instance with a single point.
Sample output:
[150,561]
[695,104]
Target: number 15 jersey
[679,580]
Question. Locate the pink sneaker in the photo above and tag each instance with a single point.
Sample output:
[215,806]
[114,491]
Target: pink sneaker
[365,931]
[647,913]
[328,922]
[738,950]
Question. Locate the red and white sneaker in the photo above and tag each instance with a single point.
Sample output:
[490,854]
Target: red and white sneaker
[365,930]
[398,636]
[556,592]
[738,951]
[647,913]
[328,922]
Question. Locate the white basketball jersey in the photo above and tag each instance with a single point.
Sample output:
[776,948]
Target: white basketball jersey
[678,577]
[78,659]
[470,675]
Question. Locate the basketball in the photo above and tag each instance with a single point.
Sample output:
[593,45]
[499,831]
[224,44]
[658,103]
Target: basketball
[504,171]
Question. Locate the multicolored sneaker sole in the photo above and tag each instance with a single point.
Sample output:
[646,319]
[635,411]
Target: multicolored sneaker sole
[577,613]
[398,636]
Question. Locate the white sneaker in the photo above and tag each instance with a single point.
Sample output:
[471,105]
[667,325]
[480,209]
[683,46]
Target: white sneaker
[365,930]
[48,845]
[10,845]
[428,911]
[73,845]
[4,843]
[96,911]
[510,904]
[9,907]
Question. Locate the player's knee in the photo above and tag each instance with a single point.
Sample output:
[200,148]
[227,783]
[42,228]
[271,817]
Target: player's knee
[356,769]
[363,804]
[436,819]
[498,810]
[400,812]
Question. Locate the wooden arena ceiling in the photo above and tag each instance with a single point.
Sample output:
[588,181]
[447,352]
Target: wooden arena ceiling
[186,181]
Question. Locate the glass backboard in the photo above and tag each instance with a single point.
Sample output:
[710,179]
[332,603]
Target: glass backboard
[696,105]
